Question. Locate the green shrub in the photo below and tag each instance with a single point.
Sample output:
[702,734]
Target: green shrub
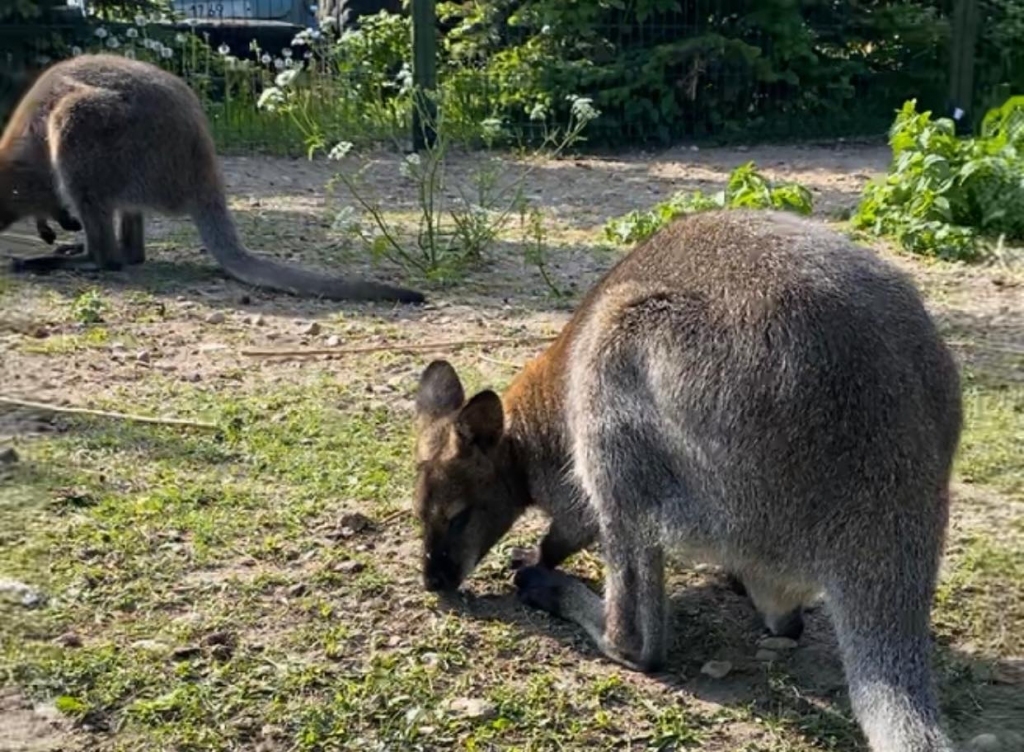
[746,189]
[943,195]
[661,70]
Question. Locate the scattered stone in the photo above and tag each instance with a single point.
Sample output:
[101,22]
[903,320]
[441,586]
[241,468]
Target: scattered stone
[350,567]
[297,590]
[217,317]
[142,356]
[185,652]
[333,341]
[356,522]
[193,377]
[28,596]
[8,456]
[766,656]
[473,707]
[312,329]
[716,669]
[777,643]
[39,332]
[68,640]
[257,319]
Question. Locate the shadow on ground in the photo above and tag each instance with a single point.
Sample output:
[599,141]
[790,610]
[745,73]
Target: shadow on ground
[804,690]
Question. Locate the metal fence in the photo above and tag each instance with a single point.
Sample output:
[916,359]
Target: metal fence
[703,71]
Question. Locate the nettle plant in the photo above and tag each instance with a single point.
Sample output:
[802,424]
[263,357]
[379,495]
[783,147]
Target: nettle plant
[457,220]
[946,196]
[745,189]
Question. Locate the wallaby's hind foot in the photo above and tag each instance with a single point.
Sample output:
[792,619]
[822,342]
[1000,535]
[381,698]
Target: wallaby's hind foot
[52,262]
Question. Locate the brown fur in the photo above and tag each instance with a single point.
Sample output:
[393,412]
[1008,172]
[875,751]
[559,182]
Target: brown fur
[103,136]
[747,388]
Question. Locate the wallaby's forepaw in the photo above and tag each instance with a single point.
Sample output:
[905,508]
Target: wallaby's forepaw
[47,234]
[523,557]
[540,588]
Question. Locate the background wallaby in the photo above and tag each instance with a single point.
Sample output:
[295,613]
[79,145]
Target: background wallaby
[106,135]
[746,387]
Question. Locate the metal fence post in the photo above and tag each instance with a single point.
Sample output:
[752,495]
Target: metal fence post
[424,73]
[961,70]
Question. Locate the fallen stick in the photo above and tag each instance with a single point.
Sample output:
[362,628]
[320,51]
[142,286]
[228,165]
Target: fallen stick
[398,347]
[105,414]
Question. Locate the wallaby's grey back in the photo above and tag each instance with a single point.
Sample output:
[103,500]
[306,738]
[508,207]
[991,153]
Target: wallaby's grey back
[127,136]
[755,387]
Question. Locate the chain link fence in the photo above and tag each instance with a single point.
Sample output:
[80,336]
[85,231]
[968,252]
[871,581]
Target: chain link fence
[284,76]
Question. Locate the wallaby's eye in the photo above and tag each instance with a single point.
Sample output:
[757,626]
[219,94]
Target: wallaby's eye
[458,522]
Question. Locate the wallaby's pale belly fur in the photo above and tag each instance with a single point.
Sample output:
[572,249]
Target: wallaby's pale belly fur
[750,388]
[105,135]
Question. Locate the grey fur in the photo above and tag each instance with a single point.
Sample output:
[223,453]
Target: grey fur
[751,389]
[110,137]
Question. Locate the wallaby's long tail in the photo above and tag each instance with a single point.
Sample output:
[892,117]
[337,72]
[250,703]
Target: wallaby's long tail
[218,231]
[884,640]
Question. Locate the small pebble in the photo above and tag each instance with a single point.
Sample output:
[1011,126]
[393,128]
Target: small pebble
[8,456]
[257,319]
[297,590]
[312,329]
[350,567]
[333,341]
[777,643]
[142,356]
[716,669]
[472,707]
[217,317]
[154,645]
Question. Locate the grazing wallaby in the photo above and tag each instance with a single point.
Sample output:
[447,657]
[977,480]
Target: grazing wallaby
[106,135]
[748,388]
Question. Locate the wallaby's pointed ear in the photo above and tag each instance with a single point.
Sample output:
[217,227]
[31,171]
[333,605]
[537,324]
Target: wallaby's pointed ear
[482,420]
[440,391]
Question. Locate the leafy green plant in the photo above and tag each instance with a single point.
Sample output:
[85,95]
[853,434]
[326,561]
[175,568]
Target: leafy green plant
[943,195]
[745,189]
[88,307]
[452,233]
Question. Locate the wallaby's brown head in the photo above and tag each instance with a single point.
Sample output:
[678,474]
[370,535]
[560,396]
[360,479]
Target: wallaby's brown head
[468,489]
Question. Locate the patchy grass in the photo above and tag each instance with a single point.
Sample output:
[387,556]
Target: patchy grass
[216,590]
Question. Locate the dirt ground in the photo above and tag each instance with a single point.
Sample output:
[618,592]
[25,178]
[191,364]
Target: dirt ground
[171,341]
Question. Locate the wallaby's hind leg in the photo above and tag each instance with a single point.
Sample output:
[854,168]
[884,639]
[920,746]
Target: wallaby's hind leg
[133,245]
[882,623]
[780,605]
[100,239]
